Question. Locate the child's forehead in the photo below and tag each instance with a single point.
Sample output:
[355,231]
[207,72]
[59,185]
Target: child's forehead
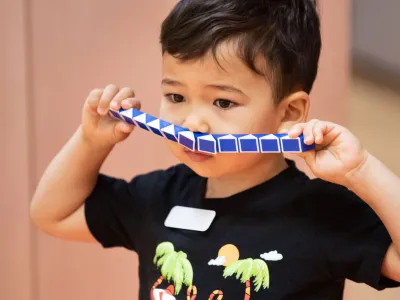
[225,62]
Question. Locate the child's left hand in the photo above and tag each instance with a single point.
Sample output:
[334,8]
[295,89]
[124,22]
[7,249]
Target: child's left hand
[338,153]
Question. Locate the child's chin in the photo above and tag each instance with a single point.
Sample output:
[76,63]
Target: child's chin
[205,170]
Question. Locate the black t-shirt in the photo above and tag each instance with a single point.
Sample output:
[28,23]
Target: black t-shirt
[288,238]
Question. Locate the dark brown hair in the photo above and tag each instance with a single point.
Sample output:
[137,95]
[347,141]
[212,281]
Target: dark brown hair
[286,33]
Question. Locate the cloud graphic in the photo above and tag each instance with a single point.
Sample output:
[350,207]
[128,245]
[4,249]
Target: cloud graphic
[272,256]
[219,261]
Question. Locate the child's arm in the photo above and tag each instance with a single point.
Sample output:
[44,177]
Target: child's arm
[340,158]
[380,188]
[57,205]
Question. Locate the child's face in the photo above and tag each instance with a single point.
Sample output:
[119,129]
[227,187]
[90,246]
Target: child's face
[201,96]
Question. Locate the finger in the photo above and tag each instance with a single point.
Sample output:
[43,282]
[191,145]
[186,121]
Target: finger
[130,102]
[283,131]
[124,127]
[309,133]
[330,132]
[296,130]
[93,98]
[109,93]
[121,95]
[309,158]
[318,131]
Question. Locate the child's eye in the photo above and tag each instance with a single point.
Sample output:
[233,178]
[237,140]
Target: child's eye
[176,98]
[224,104]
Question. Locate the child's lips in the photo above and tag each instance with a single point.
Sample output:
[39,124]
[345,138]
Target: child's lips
[197,156]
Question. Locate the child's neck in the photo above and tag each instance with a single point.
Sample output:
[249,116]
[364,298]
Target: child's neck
[231,184]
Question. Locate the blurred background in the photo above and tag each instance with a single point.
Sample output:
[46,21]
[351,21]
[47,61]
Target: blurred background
[53,52]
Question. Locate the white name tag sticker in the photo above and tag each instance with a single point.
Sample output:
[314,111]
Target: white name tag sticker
[189,218]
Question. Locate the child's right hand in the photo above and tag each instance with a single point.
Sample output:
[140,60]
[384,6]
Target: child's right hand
[98,128]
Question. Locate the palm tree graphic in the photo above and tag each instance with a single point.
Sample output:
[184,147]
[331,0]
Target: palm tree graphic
[174,266]
[246,269]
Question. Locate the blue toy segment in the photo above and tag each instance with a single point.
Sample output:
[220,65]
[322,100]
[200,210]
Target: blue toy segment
[270,146]
[155,127]
[115,115]
[206,143]
[127,116]
[178,129]
[141,120]
[143,117]
[171,132]
[227,143]
[248,143]
[269,143]
[150,118]
[164,124]
[135,113]
[290,144]
[186,138]
[305,147]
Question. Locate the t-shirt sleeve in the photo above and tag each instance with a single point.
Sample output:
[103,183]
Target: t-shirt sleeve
[353,238]
[116,208]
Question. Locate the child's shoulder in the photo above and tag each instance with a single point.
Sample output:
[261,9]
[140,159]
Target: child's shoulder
[338,213]
[315,190]
[328,195]
[324,201]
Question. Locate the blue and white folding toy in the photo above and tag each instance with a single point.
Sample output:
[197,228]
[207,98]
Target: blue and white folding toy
[213,143]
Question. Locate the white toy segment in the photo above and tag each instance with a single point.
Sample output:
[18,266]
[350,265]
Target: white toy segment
[213,143]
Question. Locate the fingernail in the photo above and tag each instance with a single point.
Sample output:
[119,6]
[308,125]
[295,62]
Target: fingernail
[101,110]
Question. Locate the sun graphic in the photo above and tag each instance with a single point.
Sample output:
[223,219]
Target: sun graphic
[230,252]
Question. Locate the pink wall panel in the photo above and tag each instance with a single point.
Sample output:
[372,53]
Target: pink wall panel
[77,46]
[16,249]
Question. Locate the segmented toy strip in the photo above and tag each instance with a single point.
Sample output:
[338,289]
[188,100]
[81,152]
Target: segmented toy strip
[213,143]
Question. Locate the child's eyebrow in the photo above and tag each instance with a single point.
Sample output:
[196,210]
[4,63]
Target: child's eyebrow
[222,87]
[167,81]
[227,88]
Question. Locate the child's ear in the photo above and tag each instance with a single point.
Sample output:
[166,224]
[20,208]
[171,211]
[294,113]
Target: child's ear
[293,109]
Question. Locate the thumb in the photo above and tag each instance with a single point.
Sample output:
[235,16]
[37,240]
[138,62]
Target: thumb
[122,130]
[124,127]
[308,156]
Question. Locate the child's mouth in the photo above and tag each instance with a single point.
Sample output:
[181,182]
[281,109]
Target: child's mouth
[197,156]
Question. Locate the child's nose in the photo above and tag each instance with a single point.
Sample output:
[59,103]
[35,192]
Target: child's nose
[196,124]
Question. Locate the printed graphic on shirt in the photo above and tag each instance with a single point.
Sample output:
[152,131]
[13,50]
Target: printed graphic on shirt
[246,270]
[175,269]
[218,294]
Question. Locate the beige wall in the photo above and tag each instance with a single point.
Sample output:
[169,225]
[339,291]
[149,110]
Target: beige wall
[54,53]
[374,112]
